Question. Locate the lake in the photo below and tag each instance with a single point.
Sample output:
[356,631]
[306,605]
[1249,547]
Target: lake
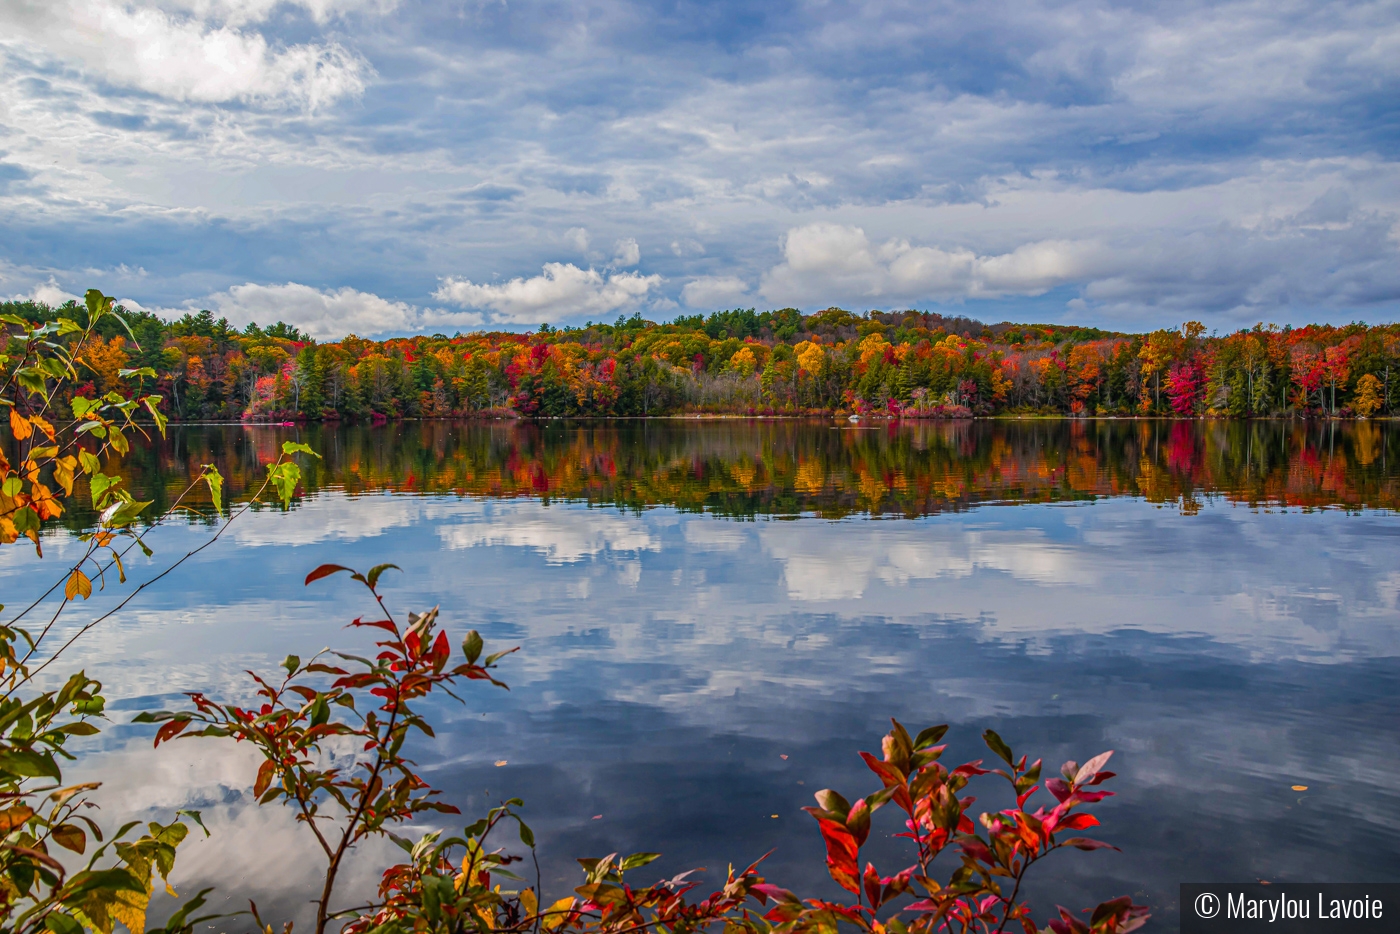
[715,616]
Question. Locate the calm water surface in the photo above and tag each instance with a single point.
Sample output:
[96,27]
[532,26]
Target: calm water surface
[696,601]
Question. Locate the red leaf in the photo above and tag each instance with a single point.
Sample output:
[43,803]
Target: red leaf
[841,853]
[888,773]
[1089,797]
[1084,843]
[978,851]
[1078,822]
[776,893]
[386,625]
[326,570]
[871,879]
[170,730]
[1057,788]
[1021,798]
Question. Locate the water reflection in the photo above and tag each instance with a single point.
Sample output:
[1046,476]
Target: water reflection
[671,655]
[757,467]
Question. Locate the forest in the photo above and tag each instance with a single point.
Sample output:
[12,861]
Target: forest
[742,362]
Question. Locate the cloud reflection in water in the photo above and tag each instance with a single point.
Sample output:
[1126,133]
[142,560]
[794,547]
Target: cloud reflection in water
[669,659]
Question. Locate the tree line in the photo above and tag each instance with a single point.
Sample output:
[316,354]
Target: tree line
[738,361]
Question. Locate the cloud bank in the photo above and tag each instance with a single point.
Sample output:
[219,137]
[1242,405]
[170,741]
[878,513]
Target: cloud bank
[561,291]
[326,315]
[1048,159]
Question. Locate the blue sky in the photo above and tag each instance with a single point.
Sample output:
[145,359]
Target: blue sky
[385,166]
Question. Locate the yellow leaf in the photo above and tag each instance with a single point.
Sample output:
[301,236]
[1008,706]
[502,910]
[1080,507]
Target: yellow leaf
[500,762]
[63,473]
[20,426]
[558,913]
[130,909]
[42,425]
[78,585]
[529,902]
[1300,787]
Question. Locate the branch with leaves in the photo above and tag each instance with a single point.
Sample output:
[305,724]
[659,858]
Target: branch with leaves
[339,695]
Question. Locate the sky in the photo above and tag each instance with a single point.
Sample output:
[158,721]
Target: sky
[397,166]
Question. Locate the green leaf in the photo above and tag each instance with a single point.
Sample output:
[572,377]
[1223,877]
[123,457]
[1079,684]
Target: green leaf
[215,480]
[81,728]
[296,447]
[138,371]
[124,514]
[832,801]
[150,403]
[90,463]
[291,663]
[178,923]
[527,836]
[284,477]
[33,381]
[102,880]
[996,745]
[29,764]
[198,818]
[637,860]
[62,924]
[930,736]
[372,577]
[97,304]
[472,646]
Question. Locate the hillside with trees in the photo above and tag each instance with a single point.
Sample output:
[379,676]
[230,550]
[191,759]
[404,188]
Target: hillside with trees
[907,364]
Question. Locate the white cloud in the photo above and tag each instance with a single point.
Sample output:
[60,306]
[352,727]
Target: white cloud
[50,293]
[713,291]
[177,56]
[627,253]
[562,291]
[562,536]
[823,259]
[326,315]
[240,12]
[578,236]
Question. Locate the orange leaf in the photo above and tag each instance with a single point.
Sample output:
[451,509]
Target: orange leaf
[264,778]
[20,426]
[14,817]
[42,425]
[78,586]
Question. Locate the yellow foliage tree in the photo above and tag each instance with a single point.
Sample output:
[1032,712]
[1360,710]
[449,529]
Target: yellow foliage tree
[106,359]
[1368,396]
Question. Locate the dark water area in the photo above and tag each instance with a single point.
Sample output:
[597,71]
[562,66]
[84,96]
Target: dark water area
[752,467]
[714,617]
